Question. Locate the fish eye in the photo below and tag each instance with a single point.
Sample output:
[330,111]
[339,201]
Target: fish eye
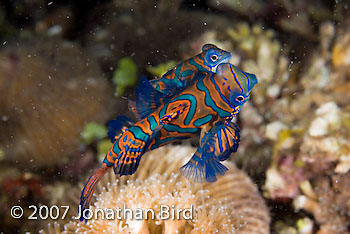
[240,98]
[214,58]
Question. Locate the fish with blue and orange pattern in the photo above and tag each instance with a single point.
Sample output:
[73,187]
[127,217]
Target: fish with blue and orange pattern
[176,79]
[182,74]
[204,108]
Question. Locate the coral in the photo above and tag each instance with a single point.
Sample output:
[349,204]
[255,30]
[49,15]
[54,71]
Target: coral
[294,130]
[297,117]
[329,197]
[310,133]
[315,118]
[230,205]
[325,142]
[18,188]
[48,92]
[341,48]
[304,226]
[24,187]
[293,16]
[339,83]
[318,145]
[260,53]
[263,57]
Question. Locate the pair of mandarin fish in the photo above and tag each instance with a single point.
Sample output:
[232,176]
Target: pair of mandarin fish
[199,96]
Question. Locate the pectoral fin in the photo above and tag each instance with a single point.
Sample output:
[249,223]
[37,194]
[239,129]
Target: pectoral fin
[226,140]
[216,145]
[204,164]
[203,167]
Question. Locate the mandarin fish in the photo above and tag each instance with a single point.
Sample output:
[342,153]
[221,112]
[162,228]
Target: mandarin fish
[204,108]
[171,133]
[182,74]
[176,79]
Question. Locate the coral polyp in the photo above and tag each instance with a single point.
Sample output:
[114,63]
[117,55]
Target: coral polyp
[230,205]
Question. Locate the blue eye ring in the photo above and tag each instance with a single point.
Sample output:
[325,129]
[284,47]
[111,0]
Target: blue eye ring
[240,98]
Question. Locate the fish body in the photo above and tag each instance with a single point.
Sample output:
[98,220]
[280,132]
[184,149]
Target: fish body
[204,108]
[182,74]
[177,79]
[200,90]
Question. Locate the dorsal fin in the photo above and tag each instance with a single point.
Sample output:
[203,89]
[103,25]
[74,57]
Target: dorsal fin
[252,80]
[147,98]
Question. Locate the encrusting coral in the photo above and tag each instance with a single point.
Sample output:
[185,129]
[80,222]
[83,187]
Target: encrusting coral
[294,16]
[311,136]
[298,115]
[230,205]
[316,136]
[48,92]
[325,198]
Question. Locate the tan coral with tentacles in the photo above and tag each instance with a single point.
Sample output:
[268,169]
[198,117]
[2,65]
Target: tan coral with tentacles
[230,205]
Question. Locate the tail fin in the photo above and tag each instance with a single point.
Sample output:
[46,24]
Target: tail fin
[118,126]
[201,169]
[89,188]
